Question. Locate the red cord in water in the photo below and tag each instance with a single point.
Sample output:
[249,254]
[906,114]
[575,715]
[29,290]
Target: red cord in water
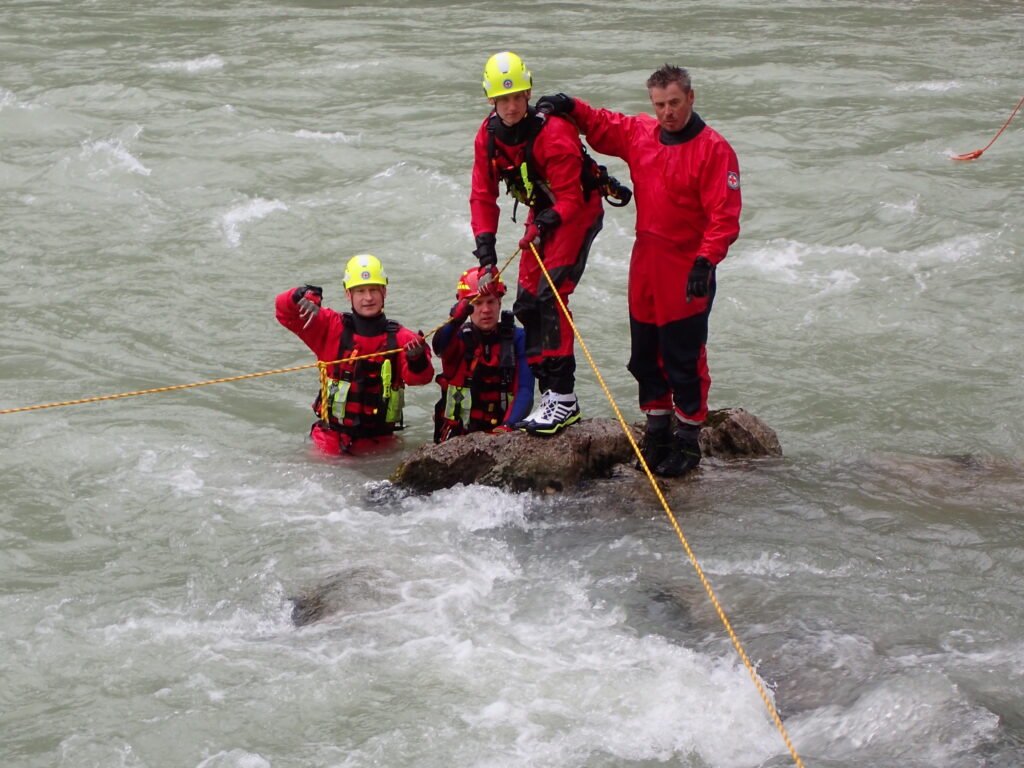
[977,153]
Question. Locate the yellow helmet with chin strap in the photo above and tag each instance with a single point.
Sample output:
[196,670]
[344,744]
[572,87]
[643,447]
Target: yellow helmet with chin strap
[364,269]
[506,73]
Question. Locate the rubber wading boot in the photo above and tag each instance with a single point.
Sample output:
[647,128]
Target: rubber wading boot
[657,442]
[684,453]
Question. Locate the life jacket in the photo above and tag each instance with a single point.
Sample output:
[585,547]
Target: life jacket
[523,180]
[475,397]
[364,397]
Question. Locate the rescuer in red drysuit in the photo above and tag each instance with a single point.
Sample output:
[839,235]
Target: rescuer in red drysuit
[686,180]
[365,396]
[486,384]
[541,162]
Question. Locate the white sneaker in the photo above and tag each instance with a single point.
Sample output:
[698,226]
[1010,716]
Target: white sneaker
[554,412]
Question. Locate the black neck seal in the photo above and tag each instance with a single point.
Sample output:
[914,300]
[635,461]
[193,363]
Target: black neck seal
[693,127]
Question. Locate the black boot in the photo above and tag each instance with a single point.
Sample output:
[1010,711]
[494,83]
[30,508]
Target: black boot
[657,442]
[684,454]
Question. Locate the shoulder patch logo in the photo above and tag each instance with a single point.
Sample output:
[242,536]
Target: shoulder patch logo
[733,180]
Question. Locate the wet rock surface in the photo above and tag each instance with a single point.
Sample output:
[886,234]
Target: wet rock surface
[590,450]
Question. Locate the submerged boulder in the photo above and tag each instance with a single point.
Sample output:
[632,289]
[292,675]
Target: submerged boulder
[585,451]
[352,590]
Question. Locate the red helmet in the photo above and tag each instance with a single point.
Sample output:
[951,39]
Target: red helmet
[468,286]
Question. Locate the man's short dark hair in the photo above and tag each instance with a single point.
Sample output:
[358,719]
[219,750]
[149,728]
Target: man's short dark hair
[668,74]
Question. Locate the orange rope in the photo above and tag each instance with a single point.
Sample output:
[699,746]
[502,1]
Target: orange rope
[977,153]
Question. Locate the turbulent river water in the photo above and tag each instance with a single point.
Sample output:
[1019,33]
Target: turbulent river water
[167,168]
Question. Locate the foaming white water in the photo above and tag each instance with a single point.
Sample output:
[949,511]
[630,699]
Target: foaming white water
[471,508]
[155,549]
[208,63]
[9,100]
[232,222]
[235,758]
[333,136]
[107,156]
[887,721]
[938,86]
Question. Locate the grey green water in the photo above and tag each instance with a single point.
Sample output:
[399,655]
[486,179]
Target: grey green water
[167,168]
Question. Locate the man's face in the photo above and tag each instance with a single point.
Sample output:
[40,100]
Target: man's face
[367,300]
[511,107]
[486,310]
[672,106]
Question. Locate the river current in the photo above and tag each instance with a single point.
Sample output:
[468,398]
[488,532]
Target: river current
[167,168]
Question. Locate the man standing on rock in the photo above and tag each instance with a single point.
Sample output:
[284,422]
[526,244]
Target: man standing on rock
[542,164]
[687,185]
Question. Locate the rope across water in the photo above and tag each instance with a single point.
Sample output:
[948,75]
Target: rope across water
[323,366]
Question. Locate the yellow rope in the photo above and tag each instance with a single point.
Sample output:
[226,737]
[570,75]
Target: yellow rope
[672,518]
[321,364]
[157,389]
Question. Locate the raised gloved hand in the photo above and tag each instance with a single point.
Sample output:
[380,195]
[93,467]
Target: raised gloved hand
[308,298]
[698,284]
[558,104]
[487,283]
[484,251]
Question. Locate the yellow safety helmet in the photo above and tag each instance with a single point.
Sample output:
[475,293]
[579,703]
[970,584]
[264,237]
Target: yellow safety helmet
[364,269]
[506,73]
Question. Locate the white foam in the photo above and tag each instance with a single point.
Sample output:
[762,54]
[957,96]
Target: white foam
[918,713]
[931,85]
[430,175]
[112,155]
[472,508]
[357,65]
[252,210]
[8,99]
[335,136]
[910,206]
[236,758]
[209,63]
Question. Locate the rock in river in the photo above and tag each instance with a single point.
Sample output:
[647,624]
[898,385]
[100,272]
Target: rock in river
[585,451]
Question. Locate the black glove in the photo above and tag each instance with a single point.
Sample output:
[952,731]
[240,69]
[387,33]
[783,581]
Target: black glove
[547,221]
[416,353]
[698,284]
[485,249]
[559,104]
[308,297]
[302,290]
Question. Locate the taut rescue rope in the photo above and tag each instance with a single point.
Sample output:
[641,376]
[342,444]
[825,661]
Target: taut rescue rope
[321,364]
[675,523]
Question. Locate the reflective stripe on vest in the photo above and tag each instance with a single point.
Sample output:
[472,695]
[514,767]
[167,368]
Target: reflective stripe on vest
[337,396]
[394,399]
[457,403]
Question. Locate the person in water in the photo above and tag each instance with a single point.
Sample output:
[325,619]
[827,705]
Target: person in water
[366,390]
[687,182]
[542,163]
[486,383]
